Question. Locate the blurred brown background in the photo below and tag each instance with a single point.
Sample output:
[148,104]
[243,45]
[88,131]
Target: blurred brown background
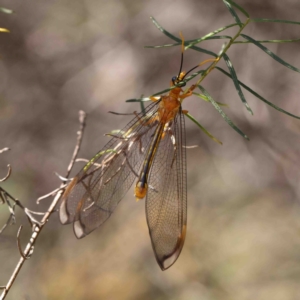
[243,239]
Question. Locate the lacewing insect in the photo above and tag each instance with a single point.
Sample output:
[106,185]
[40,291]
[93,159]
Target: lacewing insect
[151,150]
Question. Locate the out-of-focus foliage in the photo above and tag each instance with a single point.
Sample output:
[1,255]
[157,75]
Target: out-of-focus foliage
[243,214]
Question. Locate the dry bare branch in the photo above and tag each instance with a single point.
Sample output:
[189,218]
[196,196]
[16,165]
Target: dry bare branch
[50,194]
[64,179]
[36,227]
[19,245]
[8,174]
[4,149]
[5,200]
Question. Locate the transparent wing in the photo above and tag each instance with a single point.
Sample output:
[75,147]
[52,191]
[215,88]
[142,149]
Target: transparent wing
[94,193]
[166,203]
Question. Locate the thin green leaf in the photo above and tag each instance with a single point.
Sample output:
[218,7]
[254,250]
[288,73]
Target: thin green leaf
[219,37]
[211,35]
[259,96]
[202,128]
[274,21]
[173,37]
[268,41]
[216,37]
[269,52]
[239,8]
[225,117]
[203,97]
[167,33]
[142,104]
[233,13]
[162,46]
[146,99]
[119,114]
[6,10]
[190,77]
[138,100]
[236,82]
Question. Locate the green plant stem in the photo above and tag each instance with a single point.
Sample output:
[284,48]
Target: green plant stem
[224,50]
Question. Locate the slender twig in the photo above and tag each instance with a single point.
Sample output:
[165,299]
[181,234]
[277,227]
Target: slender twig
[6,198]
[82,117]
[8,174]
[63,179]
[19,244]
[11,219]
[50,194]
[38,228]
[82,160]
[4,149]
[191,147]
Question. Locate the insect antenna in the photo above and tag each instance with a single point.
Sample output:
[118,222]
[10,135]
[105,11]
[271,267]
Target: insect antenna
[182,50]
[199,65]
[190,71]
[179,78]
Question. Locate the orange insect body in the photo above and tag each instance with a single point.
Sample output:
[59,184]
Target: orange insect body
[169,105]
[168,108]
[151,145]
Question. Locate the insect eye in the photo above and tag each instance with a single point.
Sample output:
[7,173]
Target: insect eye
[174,78]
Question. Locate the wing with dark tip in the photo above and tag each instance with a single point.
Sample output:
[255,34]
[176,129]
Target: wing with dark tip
[166,203]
